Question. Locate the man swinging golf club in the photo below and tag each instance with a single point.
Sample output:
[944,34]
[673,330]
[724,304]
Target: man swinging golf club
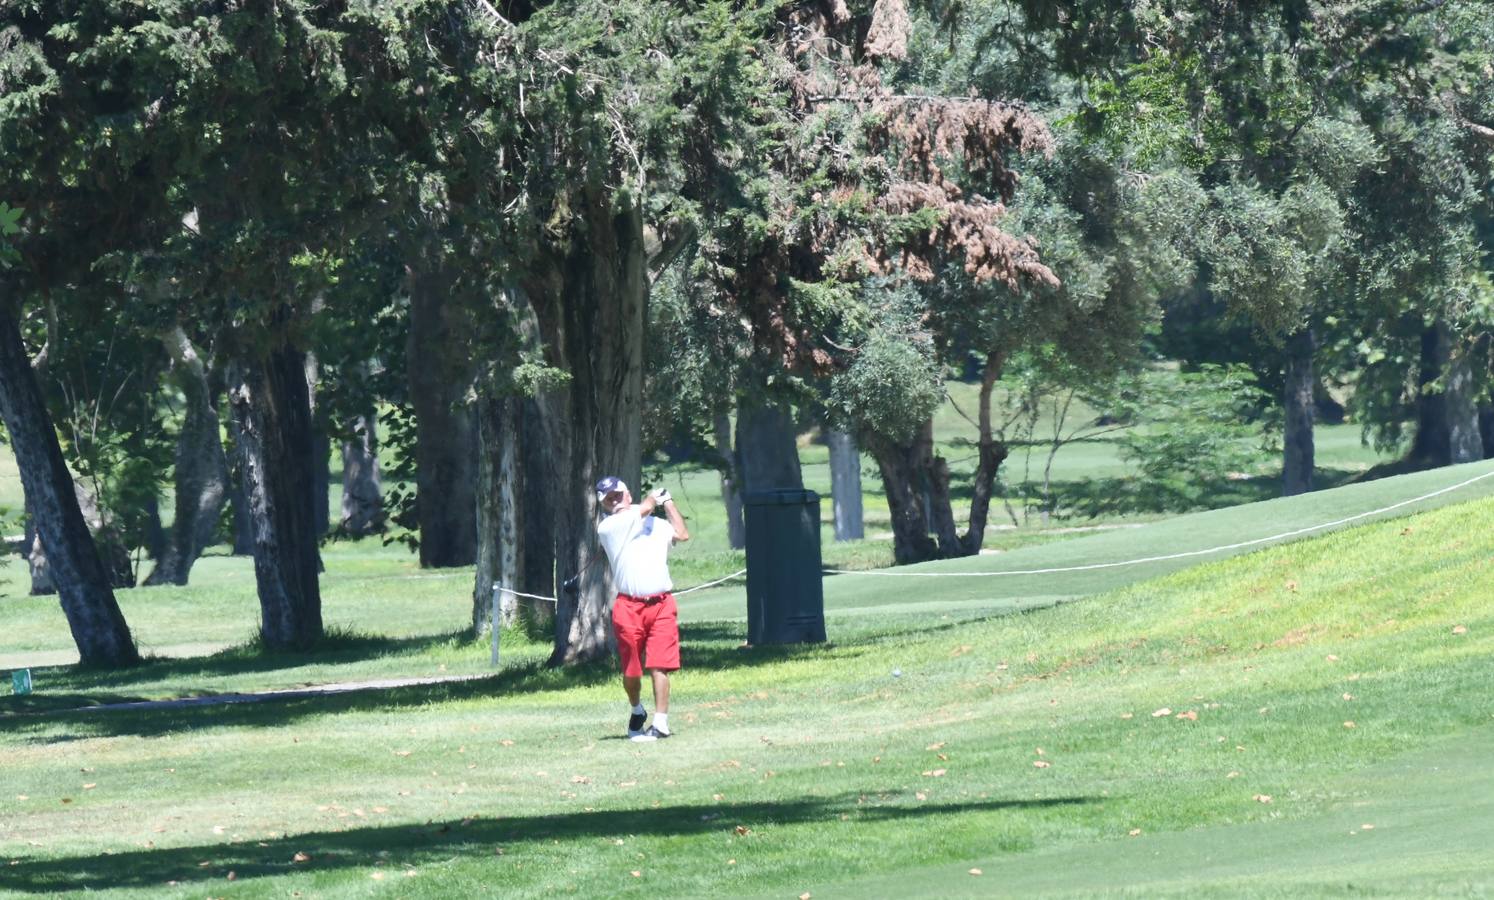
[644,614]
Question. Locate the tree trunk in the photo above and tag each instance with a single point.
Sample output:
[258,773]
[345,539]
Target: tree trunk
[845,485]
[36,558]
[992,454]
[440,374]
[243,523]
[273,410]
[500,490]
[201,479]
[83,584]
[362,496]
[591,303]
[1465,440]
[155,532]
[1486,427]
[917,483]
[731,487]
[767,447]
[1447,428]
[904,471]
[537,562]
[1298,400]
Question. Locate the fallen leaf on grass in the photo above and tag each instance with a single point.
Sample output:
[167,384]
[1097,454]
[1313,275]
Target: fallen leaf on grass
[580,779]
[938,746]
[1126,715]
[300,858]
[89,787]
[1349,725]
[1164,711]
[1262,798]
[636,873]
[506,743]
[1233,775]
[1460,629]
[805,896]
[1331,658]
[1366,828]
[920,795]
[975,871]
[1041,764]
[1134,832]
[401,753]
[1190,715]
[743,830]
[934,773]
[1348,696]
[376,876]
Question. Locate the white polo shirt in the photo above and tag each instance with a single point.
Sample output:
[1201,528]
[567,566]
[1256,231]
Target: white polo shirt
[637,548]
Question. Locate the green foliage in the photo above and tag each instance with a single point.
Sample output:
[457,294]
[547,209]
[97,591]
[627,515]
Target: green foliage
[891,388]
[1191,431]
[10,226]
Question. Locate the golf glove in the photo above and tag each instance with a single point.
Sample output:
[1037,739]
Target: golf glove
[660,496]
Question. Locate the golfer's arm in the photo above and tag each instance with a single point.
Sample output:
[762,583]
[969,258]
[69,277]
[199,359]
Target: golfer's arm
[646,508]
[681,533]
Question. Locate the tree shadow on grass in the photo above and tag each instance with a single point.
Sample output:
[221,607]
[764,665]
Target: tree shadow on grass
[72,686]
[393,847]
[58,717]
[276,709]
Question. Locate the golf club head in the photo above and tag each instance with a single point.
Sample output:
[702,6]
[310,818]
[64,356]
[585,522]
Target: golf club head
[571,586]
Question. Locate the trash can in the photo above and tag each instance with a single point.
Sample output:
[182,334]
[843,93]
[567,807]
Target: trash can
[785,593]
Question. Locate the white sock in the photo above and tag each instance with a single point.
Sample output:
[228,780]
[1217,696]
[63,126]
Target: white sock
[661,721]
[638,709]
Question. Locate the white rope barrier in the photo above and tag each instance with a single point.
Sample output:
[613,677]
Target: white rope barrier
[1186,554]
[497,589]
[1182,555]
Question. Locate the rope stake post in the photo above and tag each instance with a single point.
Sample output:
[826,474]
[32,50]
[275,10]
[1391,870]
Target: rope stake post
[493,622]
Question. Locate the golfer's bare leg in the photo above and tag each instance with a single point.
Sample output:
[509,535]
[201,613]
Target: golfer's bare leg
[661,690]
[633,684]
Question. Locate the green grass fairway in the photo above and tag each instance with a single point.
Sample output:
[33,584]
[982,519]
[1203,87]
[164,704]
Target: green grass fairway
[1416,826]
[1345,678]
[858,595]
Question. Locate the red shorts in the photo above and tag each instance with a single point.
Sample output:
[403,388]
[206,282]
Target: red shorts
[648,633]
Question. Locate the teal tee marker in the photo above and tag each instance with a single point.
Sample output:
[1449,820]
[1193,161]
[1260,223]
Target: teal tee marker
[20,681]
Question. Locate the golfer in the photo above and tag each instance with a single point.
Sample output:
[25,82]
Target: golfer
[644,615]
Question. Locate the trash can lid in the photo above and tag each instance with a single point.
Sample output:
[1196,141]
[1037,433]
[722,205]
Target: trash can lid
[781,497]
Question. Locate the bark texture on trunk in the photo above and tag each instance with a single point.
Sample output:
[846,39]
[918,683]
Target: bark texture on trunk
[273,410]
[201,478]
[362,491]
[1298,401]
[540,481]
[845,485]
[440,376]
[1447,429]
[591,302]
[243,524]
[731,483]
[83,582]
[767,447]
[1464,438]
[36,557]
[500,490]
[917,484]
[904,467]
[1486,428]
